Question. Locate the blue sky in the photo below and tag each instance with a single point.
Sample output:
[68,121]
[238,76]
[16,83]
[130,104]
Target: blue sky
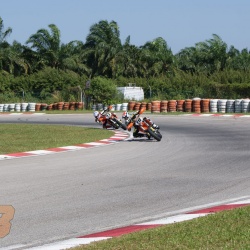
[182,23]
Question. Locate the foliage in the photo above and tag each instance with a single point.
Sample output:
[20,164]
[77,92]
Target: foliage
[102,90]
[48,70]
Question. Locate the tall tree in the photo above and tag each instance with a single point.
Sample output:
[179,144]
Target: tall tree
[157,57]
[75,58]
[47,45]
[213,53]
[207,57]
[103,45]
[129,59]
[4,33]
[4,46]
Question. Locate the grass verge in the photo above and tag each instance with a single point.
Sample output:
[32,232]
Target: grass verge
[27,137]
[223,230]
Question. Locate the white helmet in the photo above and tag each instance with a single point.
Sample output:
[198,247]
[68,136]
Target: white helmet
[125,115]
[96,113]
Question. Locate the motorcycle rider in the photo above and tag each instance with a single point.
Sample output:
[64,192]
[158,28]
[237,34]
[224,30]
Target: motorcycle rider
[99,114]
[127,118]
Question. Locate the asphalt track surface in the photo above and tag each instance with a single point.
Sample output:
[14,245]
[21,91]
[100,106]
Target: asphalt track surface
[200,160]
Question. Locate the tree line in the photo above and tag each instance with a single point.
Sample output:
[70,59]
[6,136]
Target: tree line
[48,70]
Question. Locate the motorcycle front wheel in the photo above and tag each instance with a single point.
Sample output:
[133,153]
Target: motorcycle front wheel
[157,136]
[123,126]
[113,124]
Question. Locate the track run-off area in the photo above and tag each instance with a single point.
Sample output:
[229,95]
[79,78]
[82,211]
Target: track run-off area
[201,160]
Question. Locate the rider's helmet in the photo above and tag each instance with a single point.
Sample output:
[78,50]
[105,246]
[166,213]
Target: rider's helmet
[96,113]
[125,115]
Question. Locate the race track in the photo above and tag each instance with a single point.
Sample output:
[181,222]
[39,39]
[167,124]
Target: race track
[200,160]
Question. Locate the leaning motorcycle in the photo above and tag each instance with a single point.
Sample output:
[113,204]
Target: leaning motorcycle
[109,119]
[144,126]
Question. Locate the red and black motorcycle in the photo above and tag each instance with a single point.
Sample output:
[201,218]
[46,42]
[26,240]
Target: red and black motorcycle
[109,119]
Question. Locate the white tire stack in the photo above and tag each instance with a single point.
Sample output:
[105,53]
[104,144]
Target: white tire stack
[245,105]
[230,106]
[214,105]
[238,106]
[222,103]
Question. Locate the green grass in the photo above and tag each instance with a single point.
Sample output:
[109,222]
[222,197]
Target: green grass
[27,137]
[223,230]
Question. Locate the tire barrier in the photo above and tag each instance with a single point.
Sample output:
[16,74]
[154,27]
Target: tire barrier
[164,106]
[172,105]
[222,106]
[66,106]
[11,107]
[205,105]
[72,106]
[137,106]
[124,106]
[144,105]
[180,106]
[44,106]
[50,107]
[38,107]
[188,105]
[24,107]
[32,107]
[214,105]
[245,105]
[149,106]
[18,107]
[131,105]
[238,106]
[156,107]
[118,107]
[196,105]
[59,105]
[230,106]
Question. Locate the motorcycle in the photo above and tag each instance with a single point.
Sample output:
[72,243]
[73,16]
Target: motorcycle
[142,126]
[109,119]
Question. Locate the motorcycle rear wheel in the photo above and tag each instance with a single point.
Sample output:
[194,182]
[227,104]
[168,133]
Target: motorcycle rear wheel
[123,126]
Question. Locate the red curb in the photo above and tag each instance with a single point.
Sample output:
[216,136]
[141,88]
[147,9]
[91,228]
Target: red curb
[218,208]
[115,139]
[56,149]
[120,231]
[85,145]
[20,154]
[110,140]
[104,142]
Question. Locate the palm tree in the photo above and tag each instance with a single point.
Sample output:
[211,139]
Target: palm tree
[207,57]
[129,59]
[4,45]
[102,47]
[75,59]
[241,61]
[157,57]
[47,45]
[186,59]
[213,53]
[3,33]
